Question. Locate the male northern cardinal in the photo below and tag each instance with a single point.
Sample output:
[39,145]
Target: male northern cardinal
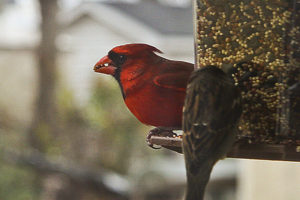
[153,87]
[211,113]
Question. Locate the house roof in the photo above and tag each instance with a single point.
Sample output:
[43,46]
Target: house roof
[165,19]
[145,22]
[149,21]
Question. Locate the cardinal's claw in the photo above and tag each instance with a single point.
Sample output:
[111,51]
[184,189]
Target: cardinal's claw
[152,132]
[159,132]
[152,146]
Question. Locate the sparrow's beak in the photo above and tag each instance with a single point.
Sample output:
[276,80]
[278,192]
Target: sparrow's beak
[105,66]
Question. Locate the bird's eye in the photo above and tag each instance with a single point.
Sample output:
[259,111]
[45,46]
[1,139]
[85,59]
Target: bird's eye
[118,59]
[121,58]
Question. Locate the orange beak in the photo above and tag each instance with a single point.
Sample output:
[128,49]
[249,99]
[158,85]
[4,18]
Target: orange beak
[105,66]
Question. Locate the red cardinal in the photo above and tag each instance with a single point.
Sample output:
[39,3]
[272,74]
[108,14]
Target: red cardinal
[153,87]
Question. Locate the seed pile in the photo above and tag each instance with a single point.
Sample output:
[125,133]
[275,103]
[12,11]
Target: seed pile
[259,41]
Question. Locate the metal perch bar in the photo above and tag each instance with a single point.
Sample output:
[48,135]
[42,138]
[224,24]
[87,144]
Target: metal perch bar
[166,141]
[242,149]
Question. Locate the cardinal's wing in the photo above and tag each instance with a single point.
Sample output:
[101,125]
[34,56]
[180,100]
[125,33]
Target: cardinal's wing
[174,75]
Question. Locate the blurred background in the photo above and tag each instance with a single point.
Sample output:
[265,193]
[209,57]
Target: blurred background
[65,132]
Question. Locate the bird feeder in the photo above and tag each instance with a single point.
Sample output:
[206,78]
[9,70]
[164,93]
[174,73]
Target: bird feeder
[258,44]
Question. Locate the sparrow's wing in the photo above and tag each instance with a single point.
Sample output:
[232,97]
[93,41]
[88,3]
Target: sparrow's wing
[211,112]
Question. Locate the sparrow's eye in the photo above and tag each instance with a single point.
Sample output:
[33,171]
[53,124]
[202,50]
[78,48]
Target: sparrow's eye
[118,59]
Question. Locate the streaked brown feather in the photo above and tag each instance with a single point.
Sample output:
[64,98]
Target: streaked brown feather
[211,112]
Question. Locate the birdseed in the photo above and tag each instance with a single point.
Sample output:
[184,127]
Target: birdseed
[258,42]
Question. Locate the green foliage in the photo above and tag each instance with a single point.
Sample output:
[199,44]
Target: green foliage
[102,134]
[120,130]
[16,183]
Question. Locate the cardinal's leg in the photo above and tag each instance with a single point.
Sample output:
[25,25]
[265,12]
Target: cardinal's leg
[159,132]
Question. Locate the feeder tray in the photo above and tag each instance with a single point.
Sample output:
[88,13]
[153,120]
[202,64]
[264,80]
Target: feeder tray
[242,149]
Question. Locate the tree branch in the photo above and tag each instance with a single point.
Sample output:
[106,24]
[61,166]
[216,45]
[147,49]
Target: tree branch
[97,180]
